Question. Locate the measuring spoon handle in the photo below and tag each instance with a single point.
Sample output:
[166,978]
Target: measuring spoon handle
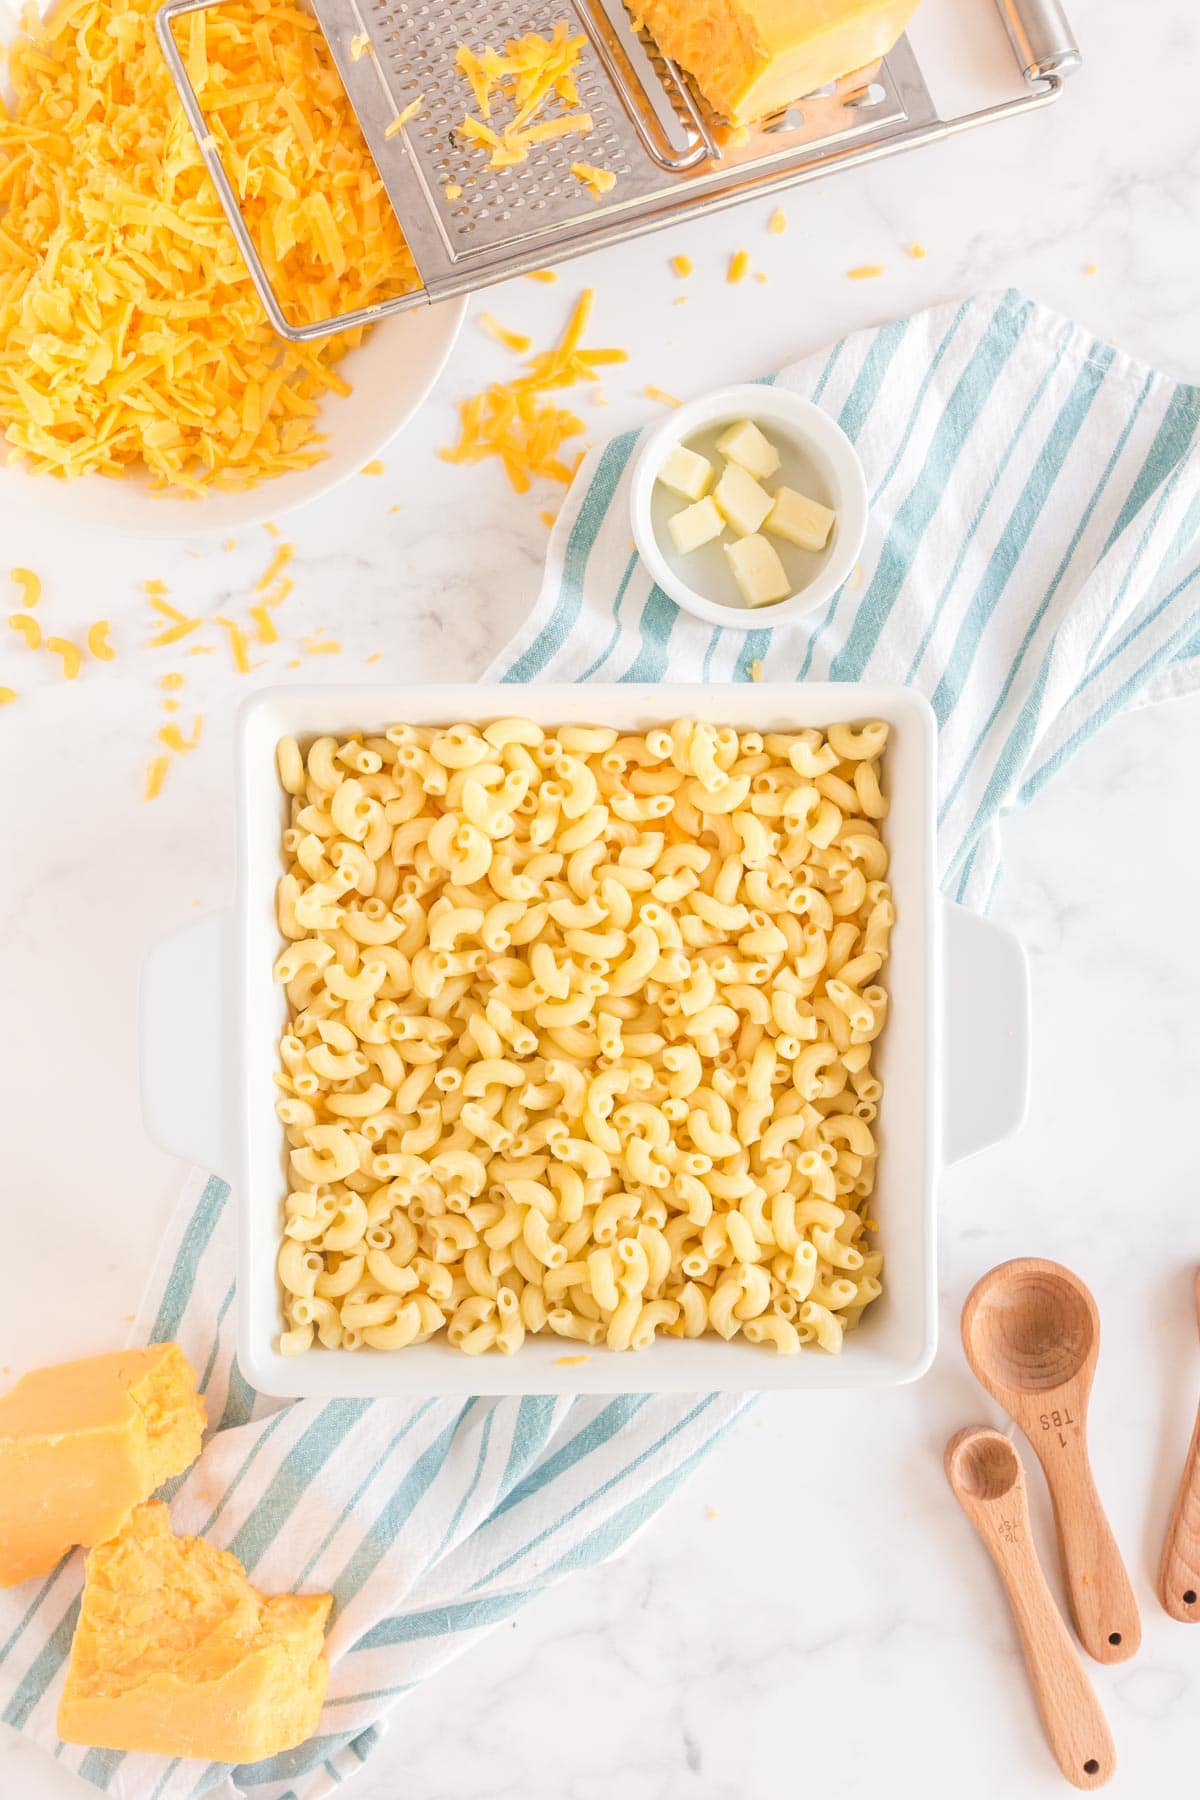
[1075,1727]
[1098,1584]
[1179,1570]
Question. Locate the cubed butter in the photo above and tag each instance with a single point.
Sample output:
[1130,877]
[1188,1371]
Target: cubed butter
[746,445]
[83,1443]
[761,577]
[751,58]
[695,525]
[741,500]
[176,1654]
[686,473]
[801,521]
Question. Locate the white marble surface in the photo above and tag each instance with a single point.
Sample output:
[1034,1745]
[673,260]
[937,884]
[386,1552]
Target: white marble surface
[835,1623]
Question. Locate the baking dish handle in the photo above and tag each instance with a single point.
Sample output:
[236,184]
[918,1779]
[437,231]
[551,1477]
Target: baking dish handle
[985,1035]
[184,1043]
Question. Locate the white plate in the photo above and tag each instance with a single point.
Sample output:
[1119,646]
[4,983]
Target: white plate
[212,1016]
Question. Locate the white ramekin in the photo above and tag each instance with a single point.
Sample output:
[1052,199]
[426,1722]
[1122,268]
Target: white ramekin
[810,430]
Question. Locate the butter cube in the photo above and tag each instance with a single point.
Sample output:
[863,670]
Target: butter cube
[761,577]
[83,1443]
[695,525]
[176,1654]
[801,521]
[686,473]
[745,445]
[741,500]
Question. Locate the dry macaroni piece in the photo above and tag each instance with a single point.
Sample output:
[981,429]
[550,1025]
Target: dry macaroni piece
[580,1034]
[130,333]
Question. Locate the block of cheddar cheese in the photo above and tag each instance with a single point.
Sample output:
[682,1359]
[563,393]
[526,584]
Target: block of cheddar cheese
[751,58]
[83,1443]
[176,1654]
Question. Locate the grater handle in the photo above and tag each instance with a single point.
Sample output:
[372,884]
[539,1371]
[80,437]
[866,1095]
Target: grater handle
[295,334]
[1041,37]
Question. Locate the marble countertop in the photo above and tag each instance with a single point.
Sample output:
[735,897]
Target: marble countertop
[813,1608]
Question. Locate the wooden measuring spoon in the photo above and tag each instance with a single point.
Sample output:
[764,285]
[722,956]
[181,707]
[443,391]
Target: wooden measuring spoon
[1032,1335]
[985,1472]
[1179,1570]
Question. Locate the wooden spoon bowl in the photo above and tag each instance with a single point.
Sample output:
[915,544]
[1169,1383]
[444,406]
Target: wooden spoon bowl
[1031,1333]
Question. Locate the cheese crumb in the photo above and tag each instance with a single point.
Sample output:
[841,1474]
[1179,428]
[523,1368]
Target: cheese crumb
[548,519]
[97,641]
[173,738]
[1090,269]
[156,774]
[661,395]
[755,670]
[359,46]
[683,266]
[403,117]
[238,647]
[453,191]
[865,272]
[600,181]
[777,223]
[916,251]
[171,683]
[570,1362]
[739,267]
[512,340]
[275,567]
[376,656]
[542,275]
[374,467]
[7,696]
[318,645]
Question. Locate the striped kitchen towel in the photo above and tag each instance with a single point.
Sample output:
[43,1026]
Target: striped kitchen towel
[1031,566]
[1031,563]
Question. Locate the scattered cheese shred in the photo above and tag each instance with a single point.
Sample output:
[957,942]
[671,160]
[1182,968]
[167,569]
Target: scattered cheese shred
[570,1362]
[271,528]
[917,251]
[1090,269]
[542,275]
[170,706]
[200,650]
[755,670]
[318,645]
[548,519]
[156,590]
[97,641]
[512,340]
[359,46]
[130,333]
[28,627]
[174,633]
[238,647]
[71,659]
[739,267]
[375,467]
[265,632]
[171,683]
[533,71]
[865,271]
[452,191]
[516,422]
[777,223]
[7,696]
[683,266]
[30,585]
[759,276]
[375,656]
[173,738]
[156,774]
[661,395]
[404,115]
[231,543]
[600,181]
[275,567]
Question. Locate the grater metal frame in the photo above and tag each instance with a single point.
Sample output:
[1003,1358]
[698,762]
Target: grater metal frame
[675,159]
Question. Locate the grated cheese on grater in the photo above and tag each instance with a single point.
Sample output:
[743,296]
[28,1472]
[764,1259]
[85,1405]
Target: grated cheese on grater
[130,332]
[533,71]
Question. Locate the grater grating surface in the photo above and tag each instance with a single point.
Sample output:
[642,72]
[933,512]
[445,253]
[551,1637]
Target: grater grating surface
[671,158]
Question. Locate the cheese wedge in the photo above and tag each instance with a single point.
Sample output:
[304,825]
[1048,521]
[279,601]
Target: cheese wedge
[741,500]
[83,1443]
[801,521]
[751,58]
[176,1654]
[695,525]
[746,445]
[760,576]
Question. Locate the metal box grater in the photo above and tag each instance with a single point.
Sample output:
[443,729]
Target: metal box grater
[671,156]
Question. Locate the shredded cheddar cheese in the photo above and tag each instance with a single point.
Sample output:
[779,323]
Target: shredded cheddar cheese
[755,670]
[265,630]
[375,656]
[917,251]
[512,340]
[683,266]
[865,272]
[30,585]
[130,333]
[69,652]
[403,116]
[28,627]
[318,645]
[570,1362]
[515,420]
[600,181]
[97,642]
[156,774]
[174,633]
[777,223]
[275,567]
[359,46]
[548,519]
[661,395]
[739,267]
[173,738]
[533,72]
[374,467]
[171,682]
[239,649]
[542,275]
[7,696]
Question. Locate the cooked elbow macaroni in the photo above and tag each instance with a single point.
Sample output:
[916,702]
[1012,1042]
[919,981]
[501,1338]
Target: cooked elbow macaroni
[580,1034]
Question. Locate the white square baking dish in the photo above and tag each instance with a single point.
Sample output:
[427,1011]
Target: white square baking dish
[953,1058]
